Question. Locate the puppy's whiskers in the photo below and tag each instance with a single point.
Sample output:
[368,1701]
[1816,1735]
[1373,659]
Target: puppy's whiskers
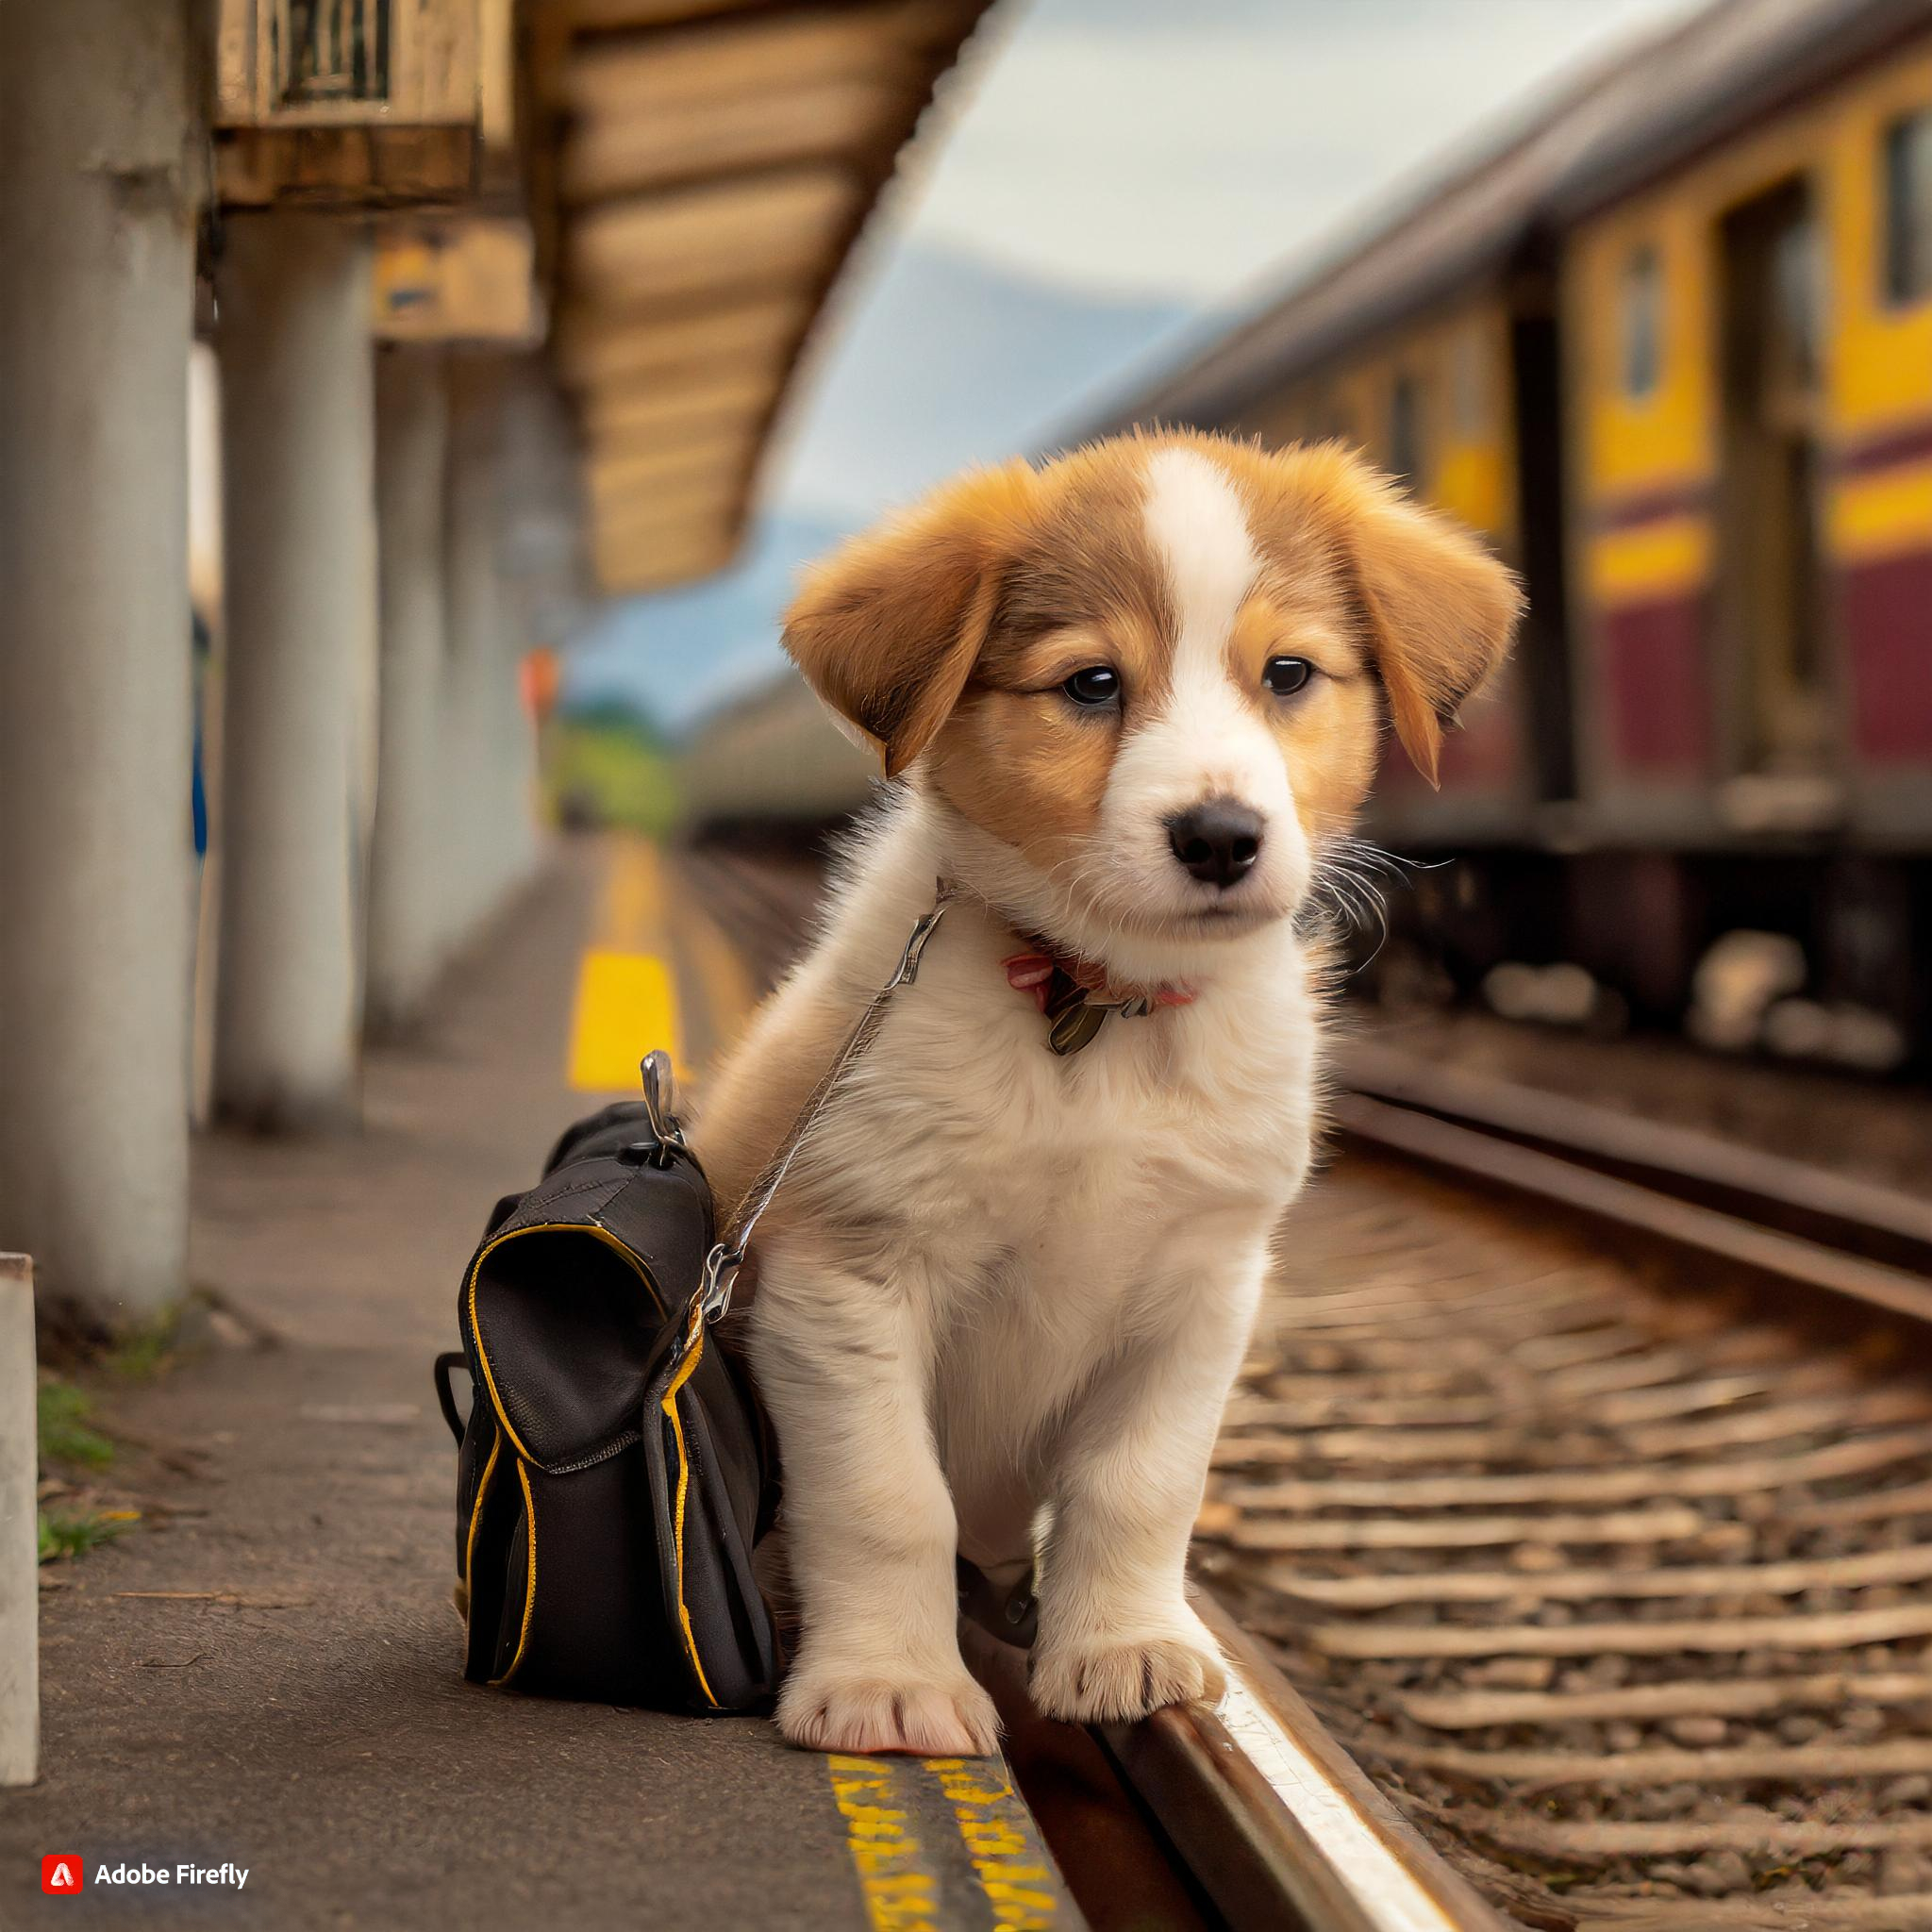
[1350,884]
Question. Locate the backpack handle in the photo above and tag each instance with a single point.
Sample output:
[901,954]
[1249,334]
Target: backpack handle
[445,1394]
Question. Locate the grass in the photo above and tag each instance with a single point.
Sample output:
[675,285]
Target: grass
[609,770]
[67,1441]
[64,1434]
[73,1534]
[142,1351]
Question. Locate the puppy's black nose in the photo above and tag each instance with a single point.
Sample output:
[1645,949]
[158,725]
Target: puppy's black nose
[1217,839]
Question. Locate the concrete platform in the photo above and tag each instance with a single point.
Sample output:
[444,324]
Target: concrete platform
[266,1674]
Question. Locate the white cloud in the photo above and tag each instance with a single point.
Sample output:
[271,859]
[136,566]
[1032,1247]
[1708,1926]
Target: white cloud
[1183,150]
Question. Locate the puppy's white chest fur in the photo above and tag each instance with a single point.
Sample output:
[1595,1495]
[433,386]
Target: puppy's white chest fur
[1026,1220]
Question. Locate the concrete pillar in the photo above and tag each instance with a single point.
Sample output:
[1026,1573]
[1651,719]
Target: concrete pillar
[407,850]
[299,540]
[481,670]
[100,161]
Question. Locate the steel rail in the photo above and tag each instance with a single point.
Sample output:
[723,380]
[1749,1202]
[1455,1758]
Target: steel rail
[1482,1156]
[1273,1818]
[1837,1211]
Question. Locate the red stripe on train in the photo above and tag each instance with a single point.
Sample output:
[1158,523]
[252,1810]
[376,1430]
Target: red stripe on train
[1656,684]
[1886,610]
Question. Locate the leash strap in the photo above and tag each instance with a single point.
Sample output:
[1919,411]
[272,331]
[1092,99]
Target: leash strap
[727,1256]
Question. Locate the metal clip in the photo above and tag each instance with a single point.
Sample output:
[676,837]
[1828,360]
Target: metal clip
[713,1298]
[908,968]
[661,1103]
[1074,1026]
[720,1275]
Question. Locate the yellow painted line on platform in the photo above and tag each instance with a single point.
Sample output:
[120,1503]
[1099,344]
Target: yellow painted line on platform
[1001,1841]
[627,1005]
[900,1889]
[630,907]
[626,997]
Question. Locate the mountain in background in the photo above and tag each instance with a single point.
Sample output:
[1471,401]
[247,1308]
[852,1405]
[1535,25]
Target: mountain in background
[945,360]
[949,359]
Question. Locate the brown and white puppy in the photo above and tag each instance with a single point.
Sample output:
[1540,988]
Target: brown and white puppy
[1136,695]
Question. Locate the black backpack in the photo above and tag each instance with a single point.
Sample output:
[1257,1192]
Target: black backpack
[614,1470]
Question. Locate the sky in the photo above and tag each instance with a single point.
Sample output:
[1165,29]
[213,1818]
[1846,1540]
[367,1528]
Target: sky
[1102,184]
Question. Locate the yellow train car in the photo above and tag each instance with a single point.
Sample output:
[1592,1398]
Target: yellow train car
[1749,332]
[1432,348]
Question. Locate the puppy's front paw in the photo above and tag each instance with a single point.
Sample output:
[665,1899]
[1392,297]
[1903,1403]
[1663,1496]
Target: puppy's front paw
[1110,1680]
[824,1709]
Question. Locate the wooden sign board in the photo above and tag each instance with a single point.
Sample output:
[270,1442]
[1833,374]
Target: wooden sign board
[360,103]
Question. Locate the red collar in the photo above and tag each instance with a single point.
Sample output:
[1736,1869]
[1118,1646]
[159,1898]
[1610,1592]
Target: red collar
[1034,973]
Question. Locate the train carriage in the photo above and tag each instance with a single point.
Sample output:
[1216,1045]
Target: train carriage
[1432,404]
[1750,335]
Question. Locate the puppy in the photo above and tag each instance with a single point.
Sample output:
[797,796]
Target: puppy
[1134,695]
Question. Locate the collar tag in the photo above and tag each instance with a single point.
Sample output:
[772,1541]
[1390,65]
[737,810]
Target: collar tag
[1074,1011]
[1074,1016]
[1075,1025]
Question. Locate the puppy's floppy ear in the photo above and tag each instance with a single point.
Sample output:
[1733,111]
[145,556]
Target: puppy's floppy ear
[1439,610]
[887,628]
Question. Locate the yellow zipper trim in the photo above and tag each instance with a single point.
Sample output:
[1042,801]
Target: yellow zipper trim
[693,1350]
[530,1576]
[693,1353]
[476,1518]
[597,1233]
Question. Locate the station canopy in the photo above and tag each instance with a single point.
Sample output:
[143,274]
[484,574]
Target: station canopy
[701,171]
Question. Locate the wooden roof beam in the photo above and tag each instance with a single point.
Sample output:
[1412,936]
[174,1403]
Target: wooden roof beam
[762,54]
[609,154]
[786,226]
[600,349]
[611,478]
[631,564]
[651,412]
[645,517]
[612,400]
[607,16]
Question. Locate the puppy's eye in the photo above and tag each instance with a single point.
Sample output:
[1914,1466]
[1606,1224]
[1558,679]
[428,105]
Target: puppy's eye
[1093,684]
[1284,677]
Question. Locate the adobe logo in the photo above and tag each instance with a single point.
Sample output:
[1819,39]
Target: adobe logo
[63,1871]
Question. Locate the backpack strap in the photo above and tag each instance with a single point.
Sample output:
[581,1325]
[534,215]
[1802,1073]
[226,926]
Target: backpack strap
[727,1255]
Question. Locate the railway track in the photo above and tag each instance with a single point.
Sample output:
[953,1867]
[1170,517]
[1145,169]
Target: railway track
[1593,1513]
[1579,1488]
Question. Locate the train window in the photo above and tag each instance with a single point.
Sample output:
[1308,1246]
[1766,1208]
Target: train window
[1405,430]
[1640,319]
[1794,272]
[1909,208]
